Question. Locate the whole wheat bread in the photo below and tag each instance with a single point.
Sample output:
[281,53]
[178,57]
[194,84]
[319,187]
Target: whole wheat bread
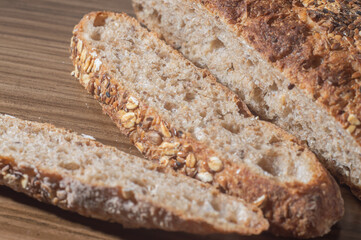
[178,115]
[297,65]
[75,173]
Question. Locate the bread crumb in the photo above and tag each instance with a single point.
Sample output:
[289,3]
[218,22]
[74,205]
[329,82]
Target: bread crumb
[87,136]
[7,115]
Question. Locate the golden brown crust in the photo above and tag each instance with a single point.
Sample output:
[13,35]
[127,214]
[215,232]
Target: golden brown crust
[299,209]
[316,44]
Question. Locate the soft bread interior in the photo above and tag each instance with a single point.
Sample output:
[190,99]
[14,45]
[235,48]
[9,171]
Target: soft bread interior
[73,156]
[209,43]
[188,99]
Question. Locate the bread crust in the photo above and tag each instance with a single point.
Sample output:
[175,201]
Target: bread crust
[296,209]
[92,201]
[341,177]
[318,46]
[315,44]
[103,202]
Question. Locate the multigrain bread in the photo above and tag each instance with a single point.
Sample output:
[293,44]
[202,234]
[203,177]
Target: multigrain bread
[178,115]
[75,173]
[295,63]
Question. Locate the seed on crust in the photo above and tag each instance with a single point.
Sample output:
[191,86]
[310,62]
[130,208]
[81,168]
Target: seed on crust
[120,114]
[24,181]
[169,149]
[351,128]
[180,159]
[128,120]
[164,161]
[88,70]
[191,160]
[87,63]
[139,146]
[72,42]
[154,137]
[55,201]
[8,177]
[260,201]
[132,103]
[83,55]
[79,46]
[76,72]
[182,154]
[85,79]
[356,74]
[5,169]
[188,147]
[338,37]
[61,194]
[169,145]
[205,177]
[128,194]
[353,120]
[97,64]
[170,152]
[147,122]
[215,164]
[140,117]
[164,130]
[191,171]
[45,188]
[156,121]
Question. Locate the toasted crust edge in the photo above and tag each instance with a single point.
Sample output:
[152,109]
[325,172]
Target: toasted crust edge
[101,202]
[293,209]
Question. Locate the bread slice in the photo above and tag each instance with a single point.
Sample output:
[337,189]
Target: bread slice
[297,65]
[75,173]
[178,115]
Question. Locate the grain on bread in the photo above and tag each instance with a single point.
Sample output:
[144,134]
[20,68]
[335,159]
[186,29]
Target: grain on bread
[294,63]
[178,115]
[75,173]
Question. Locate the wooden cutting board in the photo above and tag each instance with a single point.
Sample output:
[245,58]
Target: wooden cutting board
[35,84]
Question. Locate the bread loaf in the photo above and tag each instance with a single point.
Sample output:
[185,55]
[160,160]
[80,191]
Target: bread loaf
[294,63]
[78,174]
[178,115]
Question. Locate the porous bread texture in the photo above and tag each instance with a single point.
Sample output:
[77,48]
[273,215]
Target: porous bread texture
[177,114]
[103,182]
[192,102]
[212,44]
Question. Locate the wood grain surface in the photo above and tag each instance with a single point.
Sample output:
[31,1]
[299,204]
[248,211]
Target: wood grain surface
[35,84]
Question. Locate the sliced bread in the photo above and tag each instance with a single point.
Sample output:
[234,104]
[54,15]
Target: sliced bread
[78,174]
[294,63]
[178,115]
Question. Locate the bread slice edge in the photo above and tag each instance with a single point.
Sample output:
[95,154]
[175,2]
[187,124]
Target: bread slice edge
[114,203]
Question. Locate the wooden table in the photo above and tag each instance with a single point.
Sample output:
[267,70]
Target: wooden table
[35,84]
